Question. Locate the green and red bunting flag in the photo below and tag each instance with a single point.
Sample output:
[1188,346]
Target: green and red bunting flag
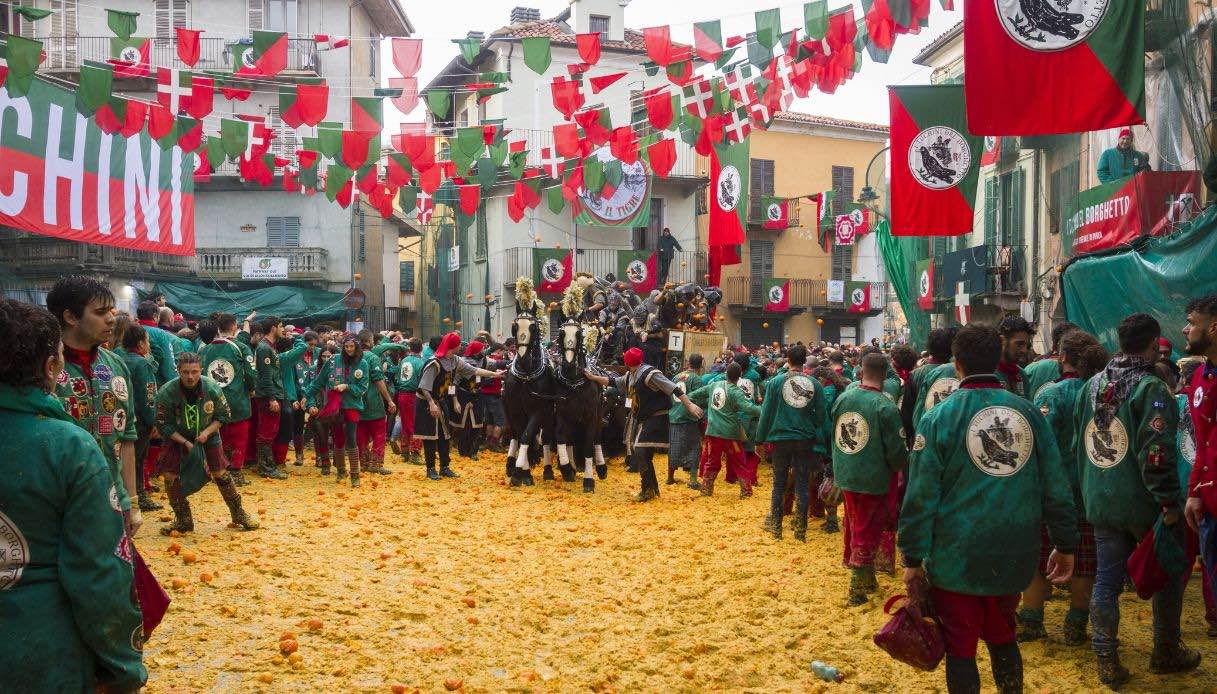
[826,223]
[367,114]
[235,136]
[337,177]
[22,56]
[992,152]
[639,269]
[269,53]
[96,84]
[857,297]
[243,62]
[439,101]
[131,57]
[470,48]
[121,23]
[777,213]
[768,27]
[935,162]
[1040,68]
[708,40]
[553,269]
[329,139]
[729,166]
[815,19]
[537,53]
[466,147]
[925,284]
[129,193]
[777,295]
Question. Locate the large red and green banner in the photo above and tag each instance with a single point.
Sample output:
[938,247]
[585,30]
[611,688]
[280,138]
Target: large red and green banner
[935,162]
[61,176]
[639,268]
[925,284]
[553,269]
[1047,67]
[728,194]
[777,295]
[1151,203]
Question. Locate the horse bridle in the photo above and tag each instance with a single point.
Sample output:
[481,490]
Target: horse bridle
[542,361]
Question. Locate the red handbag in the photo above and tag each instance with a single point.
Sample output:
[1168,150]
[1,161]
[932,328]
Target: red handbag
[911,639]
[830,493]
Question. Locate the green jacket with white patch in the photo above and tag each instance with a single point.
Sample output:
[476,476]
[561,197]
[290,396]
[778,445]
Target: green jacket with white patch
[230,363]
[68,619]
[1039,374]
[867,445]
[984,473]
[1056,401]
[373,404]
[1128,471]
[724,404]
[143,387]
[793,409]
[189,412]
[269,383]
[936,385]
[690,382]
[334,373]
[409,371]
[291,365]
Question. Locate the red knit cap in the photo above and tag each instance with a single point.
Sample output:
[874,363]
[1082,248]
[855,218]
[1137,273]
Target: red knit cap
[1126,132]
[475,348]
[632,357]
[450,342]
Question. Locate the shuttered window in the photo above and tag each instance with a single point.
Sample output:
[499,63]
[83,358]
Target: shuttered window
[363,237]
[407,275]
[991,208]
[287,140]
[171,14]
[481,241]
[760,184]
[373,54]
[283,232]
[843,194]
[255,14]
[760,267]
[62,52]
[647,238]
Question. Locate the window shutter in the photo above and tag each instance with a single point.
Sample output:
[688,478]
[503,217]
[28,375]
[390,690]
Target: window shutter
[363,238]
[991,211]
[1015,236]
[291,232]
[407,275]
[482,241]
[256,14]
[274,232]
[171,14]
[286,140]
[843,194]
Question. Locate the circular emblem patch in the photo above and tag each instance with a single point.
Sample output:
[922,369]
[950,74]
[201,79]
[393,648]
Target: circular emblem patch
[222,372]
[1198,397]
[114,499]
[120,420]
[776,294]
[1105,447]
[798,390]
[924,283]
[247,59]
[407,370]
[119,386]
[130,54]
[938,392]
[137,638]
[14,553]
[857,297]
[939,157]
[1187,448]
[553,270]
[852,432]
[62,379]
[637,272]
[748,387]
[209,407]
[919,442]
[718,398]
[250,358]
[727,189]
[266,361]
[109,403]
[1050,25]
[773,212]
[358,374]
[999,441]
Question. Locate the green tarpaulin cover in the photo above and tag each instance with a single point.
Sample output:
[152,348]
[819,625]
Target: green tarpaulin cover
[1160,279]
[195,301]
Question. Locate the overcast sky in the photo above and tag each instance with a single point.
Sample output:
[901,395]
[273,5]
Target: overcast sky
[864,97]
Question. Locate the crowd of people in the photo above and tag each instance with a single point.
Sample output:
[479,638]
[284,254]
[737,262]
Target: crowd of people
[989,475]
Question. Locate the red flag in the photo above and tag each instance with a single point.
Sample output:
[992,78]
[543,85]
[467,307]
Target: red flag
[601,83]
[623,144]
[777,295]
[567,96]
[409,93]
[992,152]
[188,45]
[160,121]
[429,179]
[566,139]
[312,102]
[589,47]
[470,197]
[407,56]
[355,148]
[190,140]
[170,92]
[137,115]
[307,157]
[593,127]
[859,297]
[642,275]
[291,183]
[202,95]
[720,256]
[563,282]
[346,195]
[658,41]
[202,171]
[925,287]
[133,65]
[515,207]
[880,25]
[527,195]
[711,135]
[368,181]
[663,156]
[659,107]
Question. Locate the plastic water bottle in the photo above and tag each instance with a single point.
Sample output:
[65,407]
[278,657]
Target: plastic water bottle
[826,672]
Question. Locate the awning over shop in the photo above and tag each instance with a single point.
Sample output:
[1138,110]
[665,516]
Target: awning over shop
[196,301]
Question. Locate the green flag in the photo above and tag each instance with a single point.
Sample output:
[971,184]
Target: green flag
[537,53]
[498,152]
[593,175]
[759,54]
[215,152]
[815,19]
[407,197]
[690,128]
[440,102]
[613,173]
[768,27]
[554,197]
[121,23]
[470,48]
[336,177]
[518,161]
[96,84]
[235,134]
[329,139]
[487,173]
[31,14]
[826,222]
[467,146]
[23,56]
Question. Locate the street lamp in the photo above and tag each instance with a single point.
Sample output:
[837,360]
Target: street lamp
[868,197]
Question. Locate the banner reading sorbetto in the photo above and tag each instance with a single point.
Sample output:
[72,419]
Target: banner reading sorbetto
[61,176]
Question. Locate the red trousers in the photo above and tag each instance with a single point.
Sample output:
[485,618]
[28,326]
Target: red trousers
[268,422]
[712,451]
[405,410]
[235,436]
[967,619]
[867,516]
[371,431]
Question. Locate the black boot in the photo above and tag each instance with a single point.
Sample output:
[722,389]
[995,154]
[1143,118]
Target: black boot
[962,676]
[340,464]
[1111,672]
[1175,657]
[238,478]
[266,463]
[526,478]
[1007,663]
[146,503]
[183,522]
[432,474]
[446,471]
[799,525]
[232,498]
[568,472]
[602,471]
[1031,624]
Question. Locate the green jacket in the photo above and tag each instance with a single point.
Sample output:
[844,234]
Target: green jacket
[269,383]
[230,363]
[936,385]
[1056,401]
[690,381]
[143,387]
[1115,164]
[373,404]
[164,351]
[103,407]
[291,364]
[821,445]
[68,619]
[1128,472]
[973,508]
[409,371]
[177,412]
[1020,388]
[724,402]
[793,409]
[333,373]
[1039,374]
[868,447]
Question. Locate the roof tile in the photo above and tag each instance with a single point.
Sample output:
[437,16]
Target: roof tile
[825,120]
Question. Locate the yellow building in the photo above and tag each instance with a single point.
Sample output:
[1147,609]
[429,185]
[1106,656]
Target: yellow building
[800,155]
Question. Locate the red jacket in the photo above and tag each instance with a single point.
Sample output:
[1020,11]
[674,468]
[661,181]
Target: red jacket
[1203,481]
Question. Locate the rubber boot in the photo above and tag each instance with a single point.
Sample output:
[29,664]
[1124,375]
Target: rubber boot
[1175,657]
[799,525]
[707,486]
[745,489]
[962,675]
[646,495]
[238,478]
[1111,672]
[183,522]
[146,503]
[232,498]
[857,586]
[1007,664]
[1075,626]
[266,463]
[380,467]
[323,462]
[354,456]
[1031,624]
[299,458]
[831,525]
[340,464]
[769,526]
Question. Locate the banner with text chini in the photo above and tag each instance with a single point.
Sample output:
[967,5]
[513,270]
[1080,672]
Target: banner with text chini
[61,176]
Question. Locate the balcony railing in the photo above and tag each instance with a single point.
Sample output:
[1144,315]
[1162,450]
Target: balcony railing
[24,251]
[302,263]
[748,291]
[66,53]
[687,266]
[756,215]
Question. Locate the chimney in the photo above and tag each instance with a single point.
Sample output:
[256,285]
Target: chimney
[520,15]
[480,36]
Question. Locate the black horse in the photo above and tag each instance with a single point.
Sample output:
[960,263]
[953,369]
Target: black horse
[527,399]
[578,409]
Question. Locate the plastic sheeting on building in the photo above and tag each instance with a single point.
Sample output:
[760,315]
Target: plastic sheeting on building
[196,301]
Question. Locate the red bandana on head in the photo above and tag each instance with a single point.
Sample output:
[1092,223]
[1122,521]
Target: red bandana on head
[632,357]
[451,341]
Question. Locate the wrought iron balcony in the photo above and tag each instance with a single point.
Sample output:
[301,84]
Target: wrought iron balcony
[748,292]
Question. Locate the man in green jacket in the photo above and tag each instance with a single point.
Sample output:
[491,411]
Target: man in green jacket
[684,432]
[164,345]
[984,473]
[1123,160]
[189,412]
[69,620]
[868,450]
[378,405]
[134,352]
[1047,370]
[230,363]
[268,396]
[291,349]
[409,371]
[791,416]
[1127,420]
[1015,345]
[935,379]
[726,405]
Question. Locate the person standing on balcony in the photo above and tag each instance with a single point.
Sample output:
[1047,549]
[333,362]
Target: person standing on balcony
[668,245]
[1123,160]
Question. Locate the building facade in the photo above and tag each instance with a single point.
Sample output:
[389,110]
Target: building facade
[327,247]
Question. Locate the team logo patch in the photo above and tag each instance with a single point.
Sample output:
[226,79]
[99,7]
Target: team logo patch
[105,425]
[62,378]
[636,272]
[123,549]
[250,358]
[358,374]
[102,373]
[1198,397]
[407,371]
[79,387]
[14,552]
[852,432]
[798,390]
[553,271]
[999,441]
[209,407]
[109,403]
[1044,410]
[919,442]
[718,398]
[938,392]
[939,157]
[1187,448]
[114,499]
[119,386]
[1043,25]
[1105,447]
[266,361]
[120,420]
[727,189]
[1158,424]
[776,294]
[222,372]
[748,387]
[137,638]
